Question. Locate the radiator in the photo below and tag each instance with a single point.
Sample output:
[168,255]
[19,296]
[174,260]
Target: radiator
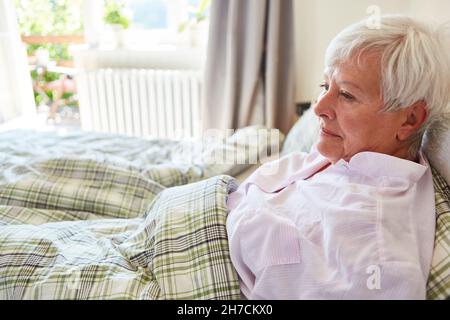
[141,102]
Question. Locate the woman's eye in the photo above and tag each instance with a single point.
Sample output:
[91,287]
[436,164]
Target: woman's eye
[347,96]
[324,86]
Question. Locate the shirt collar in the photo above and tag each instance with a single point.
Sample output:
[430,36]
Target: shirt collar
[366,163]
[378,164]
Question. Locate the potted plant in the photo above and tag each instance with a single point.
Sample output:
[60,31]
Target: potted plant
[196,24]
[117,18]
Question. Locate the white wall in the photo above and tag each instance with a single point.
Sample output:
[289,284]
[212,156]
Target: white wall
[318,21]
[434,10]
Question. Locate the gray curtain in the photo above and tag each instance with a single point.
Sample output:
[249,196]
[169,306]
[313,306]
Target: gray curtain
[250,65]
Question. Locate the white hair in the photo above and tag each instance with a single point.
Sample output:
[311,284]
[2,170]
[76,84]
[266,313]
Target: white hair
[415,63]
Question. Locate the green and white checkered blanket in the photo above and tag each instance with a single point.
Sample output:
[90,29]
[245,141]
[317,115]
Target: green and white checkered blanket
[80,229]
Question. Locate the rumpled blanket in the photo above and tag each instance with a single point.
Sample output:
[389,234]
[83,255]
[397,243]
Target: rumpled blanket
[98,216]
[80,229]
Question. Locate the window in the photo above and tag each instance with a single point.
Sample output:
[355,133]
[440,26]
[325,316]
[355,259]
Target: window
[157,22]
[51,25]
[48,28]
[149,14]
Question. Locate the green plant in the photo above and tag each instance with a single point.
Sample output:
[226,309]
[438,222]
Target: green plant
[49,17]
[199,14]
[114,14]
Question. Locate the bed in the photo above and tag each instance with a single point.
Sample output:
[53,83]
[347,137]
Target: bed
[97,216]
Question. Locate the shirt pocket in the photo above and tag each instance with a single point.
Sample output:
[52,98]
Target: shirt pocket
[269,238]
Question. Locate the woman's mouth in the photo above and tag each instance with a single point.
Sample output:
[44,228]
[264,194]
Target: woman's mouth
[328,133]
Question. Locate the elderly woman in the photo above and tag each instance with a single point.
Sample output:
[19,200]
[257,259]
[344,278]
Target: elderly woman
[355,218]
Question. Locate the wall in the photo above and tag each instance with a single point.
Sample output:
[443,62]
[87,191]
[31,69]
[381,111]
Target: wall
[318,21]
[435,10]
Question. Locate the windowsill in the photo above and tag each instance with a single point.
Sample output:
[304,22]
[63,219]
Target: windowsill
[158,56]
[153,48]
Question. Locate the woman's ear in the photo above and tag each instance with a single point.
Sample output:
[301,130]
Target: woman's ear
[415,116]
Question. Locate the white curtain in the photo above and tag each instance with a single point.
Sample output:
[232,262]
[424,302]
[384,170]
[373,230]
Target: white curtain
[249,74]
[16,92]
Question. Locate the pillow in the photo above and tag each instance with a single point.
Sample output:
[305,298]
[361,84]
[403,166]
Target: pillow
[303,134]
[215,153]
[438,285]
[436,146]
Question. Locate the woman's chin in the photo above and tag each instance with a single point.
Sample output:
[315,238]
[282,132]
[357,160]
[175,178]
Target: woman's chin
[329,150]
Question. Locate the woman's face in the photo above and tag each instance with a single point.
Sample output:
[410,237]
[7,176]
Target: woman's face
[349,112]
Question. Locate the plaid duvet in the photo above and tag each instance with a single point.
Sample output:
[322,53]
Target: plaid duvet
[102,216]
[438,286]
[79,229]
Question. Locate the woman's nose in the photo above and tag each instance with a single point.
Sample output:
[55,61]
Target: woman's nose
[324,105]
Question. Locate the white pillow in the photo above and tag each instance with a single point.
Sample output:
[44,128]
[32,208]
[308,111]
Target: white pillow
[436,146]
[303,134]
